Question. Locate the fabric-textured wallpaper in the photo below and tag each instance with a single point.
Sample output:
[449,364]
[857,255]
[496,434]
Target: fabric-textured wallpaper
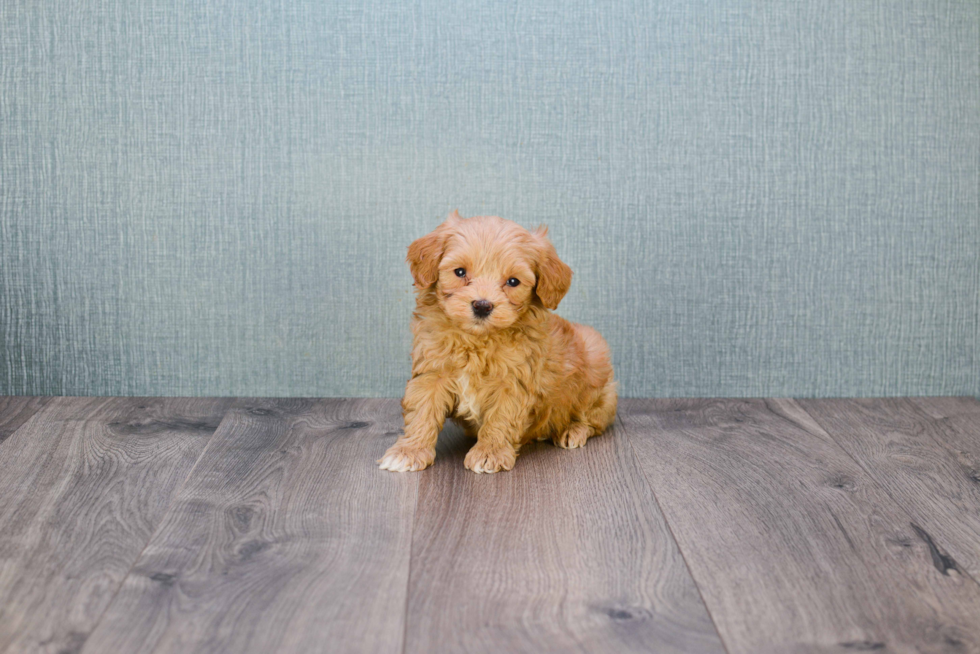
[757,198]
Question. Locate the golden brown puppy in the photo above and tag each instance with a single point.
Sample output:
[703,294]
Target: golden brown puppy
[488,352]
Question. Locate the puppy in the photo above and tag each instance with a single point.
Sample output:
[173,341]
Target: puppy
[488,352]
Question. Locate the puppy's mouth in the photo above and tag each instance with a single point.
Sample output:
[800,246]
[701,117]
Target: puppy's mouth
[481,324]
[478,316]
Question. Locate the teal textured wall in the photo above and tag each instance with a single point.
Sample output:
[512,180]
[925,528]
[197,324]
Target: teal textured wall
[757,198]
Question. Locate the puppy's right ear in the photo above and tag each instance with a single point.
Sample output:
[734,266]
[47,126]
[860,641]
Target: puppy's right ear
[424,254]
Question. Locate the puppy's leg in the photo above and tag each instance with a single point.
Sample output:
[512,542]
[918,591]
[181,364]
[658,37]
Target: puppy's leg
[426,403]
[603,412]
[593,421]
[499,436]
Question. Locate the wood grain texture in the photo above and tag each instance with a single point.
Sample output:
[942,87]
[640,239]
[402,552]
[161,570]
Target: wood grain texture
[83,485]
[567,552]
[16,410]
[929,465]
[287,538]
[794,547]
[947,407]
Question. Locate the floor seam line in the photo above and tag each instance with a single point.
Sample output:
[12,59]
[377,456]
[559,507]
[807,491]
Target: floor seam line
[46,401]
[163,516]
[411,554]
[673,537]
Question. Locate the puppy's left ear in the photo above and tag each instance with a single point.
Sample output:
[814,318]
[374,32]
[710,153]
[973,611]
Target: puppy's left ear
[554,275]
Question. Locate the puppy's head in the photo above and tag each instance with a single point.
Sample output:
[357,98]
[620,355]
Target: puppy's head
[486,272]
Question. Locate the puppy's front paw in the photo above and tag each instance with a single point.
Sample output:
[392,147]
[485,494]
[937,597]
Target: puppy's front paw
[404,458]
[490,459]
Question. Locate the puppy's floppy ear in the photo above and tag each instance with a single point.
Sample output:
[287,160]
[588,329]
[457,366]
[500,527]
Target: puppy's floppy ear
[554,276]
[425,253]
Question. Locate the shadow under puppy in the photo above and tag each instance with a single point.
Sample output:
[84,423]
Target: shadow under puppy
[488,352]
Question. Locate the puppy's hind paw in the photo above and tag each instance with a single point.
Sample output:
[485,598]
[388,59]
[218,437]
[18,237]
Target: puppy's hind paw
[575,436]
[399,458]
[485,459]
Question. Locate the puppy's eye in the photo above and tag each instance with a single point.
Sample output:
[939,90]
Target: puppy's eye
[513,281]
[460,272]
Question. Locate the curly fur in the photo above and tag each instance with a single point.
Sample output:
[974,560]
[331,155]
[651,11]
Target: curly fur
[519,374]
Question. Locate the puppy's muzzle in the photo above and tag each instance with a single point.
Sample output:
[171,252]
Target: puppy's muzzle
[482,308]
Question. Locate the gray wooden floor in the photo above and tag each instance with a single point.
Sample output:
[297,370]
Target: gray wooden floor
[253,525]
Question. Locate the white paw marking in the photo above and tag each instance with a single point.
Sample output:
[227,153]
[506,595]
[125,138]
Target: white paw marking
[480,469]
[399,463]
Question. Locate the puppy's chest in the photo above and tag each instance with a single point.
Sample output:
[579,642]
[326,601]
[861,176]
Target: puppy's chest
[468,404]
[472,385]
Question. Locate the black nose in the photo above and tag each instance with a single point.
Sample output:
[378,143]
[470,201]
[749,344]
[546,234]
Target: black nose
[482,308]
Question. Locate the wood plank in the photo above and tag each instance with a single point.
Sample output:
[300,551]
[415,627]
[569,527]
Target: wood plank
[567,552]
[947,407]
[959,429]
[84,483]
[931,466]
[794,547]
[16,410]
[286,538]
